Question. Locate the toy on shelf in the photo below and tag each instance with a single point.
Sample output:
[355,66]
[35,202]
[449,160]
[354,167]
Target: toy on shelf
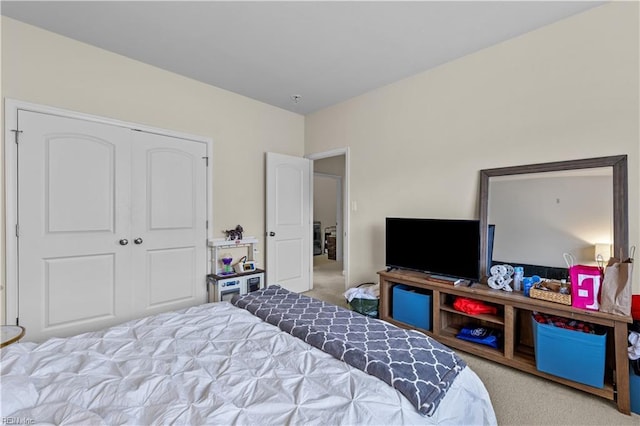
[234,234]
[501,277]
[226,260]
[228,279]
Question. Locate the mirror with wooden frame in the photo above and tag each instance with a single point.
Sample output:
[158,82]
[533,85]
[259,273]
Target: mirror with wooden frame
[532,214]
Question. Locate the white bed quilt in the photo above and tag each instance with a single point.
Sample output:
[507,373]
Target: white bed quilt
[209,364]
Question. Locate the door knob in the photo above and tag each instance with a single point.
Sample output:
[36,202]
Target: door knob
[123,242]
[138,240]
[272,234]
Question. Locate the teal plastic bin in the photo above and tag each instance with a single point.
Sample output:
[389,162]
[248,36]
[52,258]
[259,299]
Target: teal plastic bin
[634,391]
[412,306]
[570,354]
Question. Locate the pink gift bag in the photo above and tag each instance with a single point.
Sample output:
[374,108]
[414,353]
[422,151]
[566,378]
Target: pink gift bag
[585,286]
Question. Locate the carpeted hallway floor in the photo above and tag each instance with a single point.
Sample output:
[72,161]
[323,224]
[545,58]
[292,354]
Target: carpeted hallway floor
[328,281]
[518,398]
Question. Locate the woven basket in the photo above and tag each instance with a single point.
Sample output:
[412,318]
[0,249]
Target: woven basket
[551,295]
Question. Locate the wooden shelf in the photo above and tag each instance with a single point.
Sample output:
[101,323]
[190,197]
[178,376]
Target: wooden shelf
[409,326]
[495,319]
[513,309]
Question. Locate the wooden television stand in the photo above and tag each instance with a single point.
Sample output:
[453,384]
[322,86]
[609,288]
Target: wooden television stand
[514,320]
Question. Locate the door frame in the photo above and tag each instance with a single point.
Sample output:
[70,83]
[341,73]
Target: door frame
[346,203]
[11,108]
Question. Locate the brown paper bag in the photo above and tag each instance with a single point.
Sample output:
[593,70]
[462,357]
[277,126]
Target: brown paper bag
[615,296]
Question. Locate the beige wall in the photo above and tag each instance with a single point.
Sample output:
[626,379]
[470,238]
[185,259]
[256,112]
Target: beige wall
[330,165]
[565,91]
[324,201]
[44,68]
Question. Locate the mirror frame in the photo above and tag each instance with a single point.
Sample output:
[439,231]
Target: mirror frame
[620,196]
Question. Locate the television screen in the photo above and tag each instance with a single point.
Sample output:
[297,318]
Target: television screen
[446,247]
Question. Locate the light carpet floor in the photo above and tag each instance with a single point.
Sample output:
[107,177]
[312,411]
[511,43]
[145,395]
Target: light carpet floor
[518,398]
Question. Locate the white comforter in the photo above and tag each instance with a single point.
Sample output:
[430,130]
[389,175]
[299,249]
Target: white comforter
[210,364]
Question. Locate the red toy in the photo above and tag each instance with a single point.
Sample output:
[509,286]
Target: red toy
[473,307]
[635,307]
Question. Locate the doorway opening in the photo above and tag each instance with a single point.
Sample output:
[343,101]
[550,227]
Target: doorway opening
[330,254]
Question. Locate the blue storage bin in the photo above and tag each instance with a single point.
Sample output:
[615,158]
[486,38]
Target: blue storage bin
[634,391]
[570,354]
[411,307]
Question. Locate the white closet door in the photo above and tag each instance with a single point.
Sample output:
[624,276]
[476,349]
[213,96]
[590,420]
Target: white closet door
[73,206]
[168,222]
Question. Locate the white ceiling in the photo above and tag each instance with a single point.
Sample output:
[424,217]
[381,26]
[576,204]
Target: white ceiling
[324,51]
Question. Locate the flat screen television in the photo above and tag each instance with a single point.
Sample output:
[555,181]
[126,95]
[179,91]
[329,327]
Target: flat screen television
[444,247]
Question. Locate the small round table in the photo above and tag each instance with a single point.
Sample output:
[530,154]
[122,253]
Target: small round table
[10,334]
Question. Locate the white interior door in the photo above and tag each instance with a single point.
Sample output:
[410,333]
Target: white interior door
[289,221]
[73,204]
[168,222]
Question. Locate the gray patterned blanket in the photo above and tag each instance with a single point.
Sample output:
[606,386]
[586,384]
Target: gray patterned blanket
[420,367]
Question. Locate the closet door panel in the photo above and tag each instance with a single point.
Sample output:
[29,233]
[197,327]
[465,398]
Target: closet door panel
[80,288]
[168,222]
[171,202]
[175,267]
[73,204]
[79,205]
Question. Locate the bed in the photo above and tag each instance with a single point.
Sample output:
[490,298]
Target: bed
[223,363]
